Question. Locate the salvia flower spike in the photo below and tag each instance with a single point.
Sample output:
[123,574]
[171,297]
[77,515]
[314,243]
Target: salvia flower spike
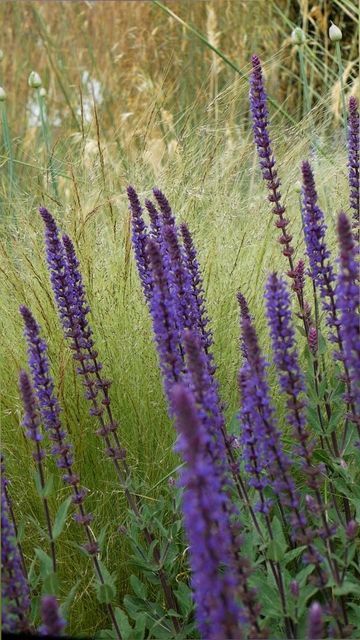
[316,629]
[354,162]
[32,425]
[139,235]
[260,118]
[207,526]
[15,600]
[53,624]
[348,297]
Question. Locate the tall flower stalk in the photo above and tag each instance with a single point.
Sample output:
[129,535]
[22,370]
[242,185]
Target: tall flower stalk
[32,426]
[354,162]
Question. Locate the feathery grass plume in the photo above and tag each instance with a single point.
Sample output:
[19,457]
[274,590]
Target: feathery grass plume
[53,624]
[207,526]
[15,600]
[50,412]
[139,235]
[32,425]
[316,630]
[201,317]
[164,317]
[260,118]
[347,298]
[354,163]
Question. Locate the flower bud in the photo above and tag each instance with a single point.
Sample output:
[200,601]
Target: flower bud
[42,92]
[298,36]
[297,186]
[1,55]
[34,80]
[294,588]
[2,95]
[335,33]
[352,529]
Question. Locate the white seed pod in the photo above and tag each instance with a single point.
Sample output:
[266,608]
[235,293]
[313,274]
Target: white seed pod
[34,80]
[2,95]
[42,92]
[1,55]
[298,36]
[335,33]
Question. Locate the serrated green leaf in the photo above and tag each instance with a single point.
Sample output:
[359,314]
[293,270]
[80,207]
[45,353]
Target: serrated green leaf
[140,626]
[49,486]
[138,587]
[124,625]
[102,537]
[105,634]
[46,566]
[60,518]
[104,593]
[50,584]
[346,588]
[293,554]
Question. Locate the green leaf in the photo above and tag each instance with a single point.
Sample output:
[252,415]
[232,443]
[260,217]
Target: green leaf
[139,631]
[104,593]
[46,566]
[21,531]
[102,537]
[105,634]
[184,597]
[51,584]
[347,587]
[60,518]
[124,625]
[49,486]
[65,607]
[293,554]
[138,587]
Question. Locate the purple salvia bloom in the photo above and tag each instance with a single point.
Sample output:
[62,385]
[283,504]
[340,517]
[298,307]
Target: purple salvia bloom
[53,624]
[260,118]
[155,221]
[292,383]
[139,235]
[164,317]
[354,146]
[316,623]
[321,270]
[165,209]
[313,340]
[207,526]
[179,278]
[15,601]
[32,425]
[348,296]
[201,317]
[31,421]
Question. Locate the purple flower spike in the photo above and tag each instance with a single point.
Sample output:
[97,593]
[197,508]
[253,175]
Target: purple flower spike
[348,296]
[139,235]
[164,319]
[15,601]
[207,526]
[167,214]
[354,146]
[321,270]
[282,335]
[316,623]
[179,280]
[53,623]
[260,118]
[155,225]
[31,421]
[201,317]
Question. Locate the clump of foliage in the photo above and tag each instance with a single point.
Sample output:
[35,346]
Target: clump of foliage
[271,514]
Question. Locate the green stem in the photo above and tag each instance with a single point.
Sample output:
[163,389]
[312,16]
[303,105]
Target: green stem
[46,136]
[7,144]
[304,82]
[342,86]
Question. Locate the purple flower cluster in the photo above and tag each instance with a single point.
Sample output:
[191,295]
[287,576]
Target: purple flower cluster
[53,624]
[354,163]
[15,601]
[348,298]
[260,118]
[166,257]
[207,526]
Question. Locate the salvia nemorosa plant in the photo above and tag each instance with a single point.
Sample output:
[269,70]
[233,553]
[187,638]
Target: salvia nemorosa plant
[270,500]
